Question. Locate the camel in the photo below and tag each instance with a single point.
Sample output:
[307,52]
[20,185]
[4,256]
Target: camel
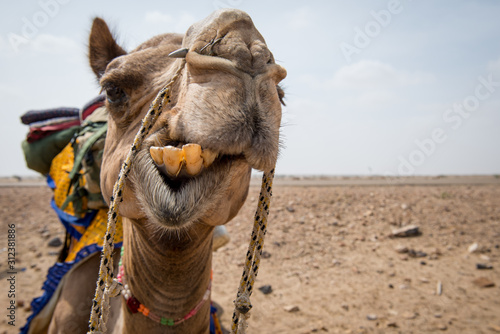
[192,172]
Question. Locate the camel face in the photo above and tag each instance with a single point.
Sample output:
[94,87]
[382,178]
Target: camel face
[230,103]
[222,120]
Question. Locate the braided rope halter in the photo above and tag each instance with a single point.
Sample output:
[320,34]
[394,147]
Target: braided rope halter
[108,286]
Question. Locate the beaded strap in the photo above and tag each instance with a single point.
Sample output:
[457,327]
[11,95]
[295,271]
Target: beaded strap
[135,306]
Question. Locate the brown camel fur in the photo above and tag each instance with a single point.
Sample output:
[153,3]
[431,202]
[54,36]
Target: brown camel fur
[227,101]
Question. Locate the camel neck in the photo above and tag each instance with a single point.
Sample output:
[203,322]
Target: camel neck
[169,273]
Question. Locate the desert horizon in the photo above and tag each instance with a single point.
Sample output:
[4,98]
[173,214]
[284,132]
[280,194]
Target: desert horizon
[332,261]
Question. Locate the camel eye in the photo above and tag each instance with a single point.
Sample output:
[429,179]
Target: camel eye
[115,94]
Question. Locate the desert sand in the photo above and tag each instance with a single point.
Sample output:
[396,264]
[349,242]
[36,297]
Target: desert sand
[330,259]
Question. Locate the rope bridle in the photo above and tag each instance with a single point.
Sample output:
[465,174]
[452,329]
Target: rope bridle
[108,286]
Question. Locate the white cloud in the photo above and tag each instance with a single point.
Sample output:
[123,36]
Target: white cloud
[179,23]
[2,44]
[300,18]
[369,100]
[158,17]
[52,44]
[373,85]
[374,74]
[185,21]
[40,44]
[494,66]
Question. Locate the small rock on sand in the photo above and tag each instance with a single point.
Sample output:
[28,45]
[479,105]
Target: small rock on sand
[291,308]
[415,253]
[410,315]
[483,282]
[368,213]
[473,248]
[401,249]
[494,328]
[266,289]
[442,327]
[406,231]
[55,242]
[265,255]
[483,266]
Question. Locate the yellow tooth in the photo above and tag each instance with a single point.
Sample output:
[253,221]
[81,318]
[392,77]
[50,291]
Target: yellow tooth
[156,154]
[172,158]
[208,157]
[192,155]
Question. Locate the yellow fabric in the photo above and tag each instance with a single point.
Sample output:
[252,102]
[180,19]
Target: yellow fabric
[92,235]
[59,169]
[95,234]
[218,327]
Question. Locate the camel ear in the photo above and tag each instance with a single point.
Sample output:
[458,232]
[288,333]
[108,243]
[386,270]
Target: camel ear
[102,47]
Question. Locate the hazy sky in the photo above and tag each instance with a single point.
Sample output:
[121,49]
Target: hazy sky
[373,87]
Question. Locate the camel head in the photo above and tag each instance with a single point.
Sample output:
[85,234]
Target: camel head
[223,118]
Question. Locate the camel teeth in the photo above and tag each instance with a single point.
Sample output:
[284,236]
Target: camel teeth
[192,156]
[172,158]
[156,154]
[208,157]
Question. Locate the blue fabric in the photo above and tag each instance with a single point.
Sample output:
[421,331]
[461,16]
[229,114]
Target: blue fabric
[51,182]
[54,276]
[213,310]
[68,220]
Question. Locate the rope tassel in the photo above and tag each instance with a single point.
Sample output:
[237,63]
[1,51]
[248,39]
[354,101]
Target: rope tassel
[242,304]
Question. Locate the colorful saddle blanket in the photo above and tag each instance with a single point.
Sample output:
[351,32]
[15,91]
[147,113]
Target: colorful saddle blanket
[84,217]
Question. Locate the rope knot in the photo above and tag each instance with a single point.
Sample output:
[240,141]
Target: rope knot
[115,288]
[243,304]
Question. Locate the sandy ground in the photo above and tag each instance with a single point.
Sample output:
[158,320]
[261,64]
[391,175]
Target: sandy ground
[330,261]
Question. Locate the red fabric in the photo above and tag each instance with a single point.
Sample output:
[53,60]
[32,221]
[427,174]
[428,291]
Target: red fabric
[40,133]
[37,133]
[91,109]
